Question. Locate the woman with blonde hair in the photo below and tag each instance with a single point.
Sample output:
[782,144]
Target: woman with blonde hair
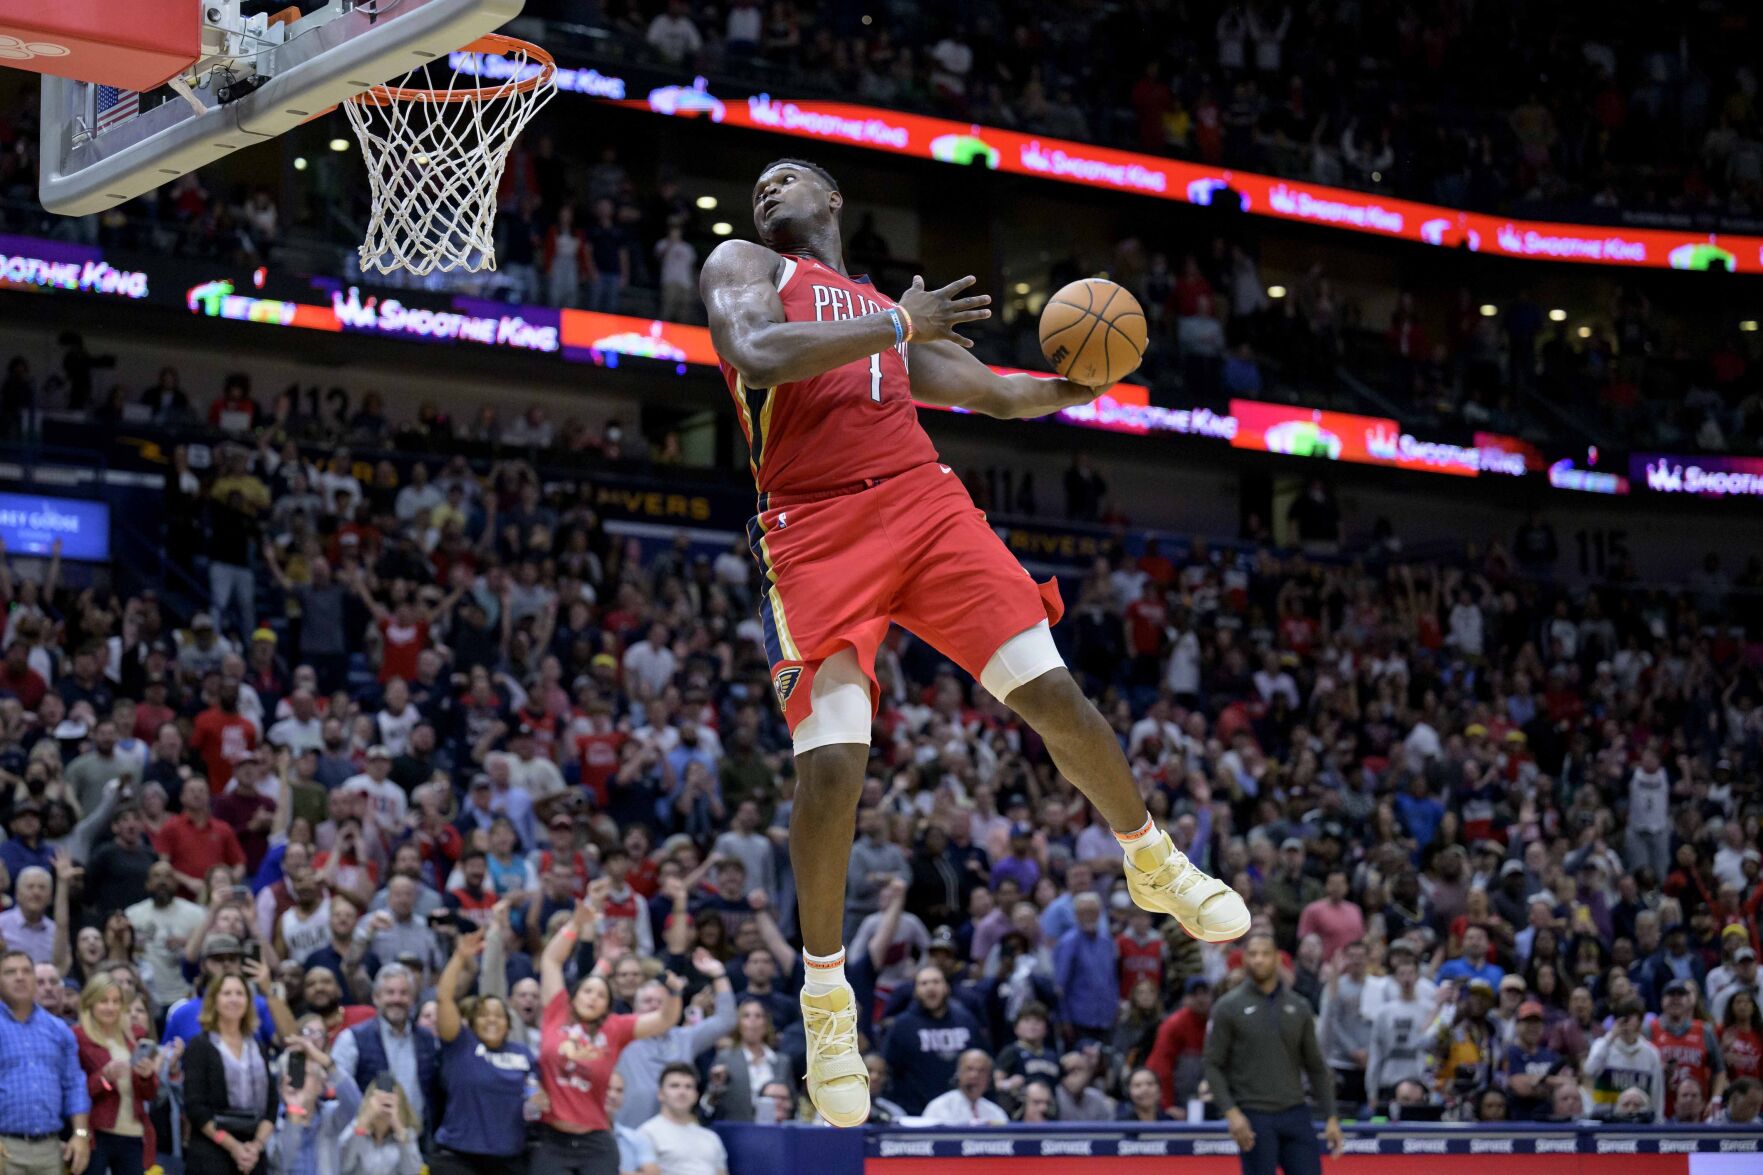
[230,1097]
[121,1077]
[383,1141]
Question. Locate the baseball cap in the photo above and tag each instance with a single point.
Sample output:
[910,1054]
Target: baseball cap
[1511,867]
[562,819]
[1483,986]
[264,634]
[1020,829]
[1196,983]
[1530,1010]
[480,780]
[1744,954]
[378,751]
[1512,983]
[943,939]
[603,661]
[1676,987]
[201,620]
[217,945]
[1290,842]
[1735,930]
[1475,730]
[25,808]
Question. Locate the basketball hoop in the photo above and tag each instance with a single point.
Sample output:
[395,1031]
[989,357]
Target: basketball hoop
[435,154]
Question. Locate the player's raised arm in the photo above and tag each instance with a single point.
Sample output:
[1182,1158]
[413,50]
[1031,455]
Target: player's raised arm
[747,320]
[947,376]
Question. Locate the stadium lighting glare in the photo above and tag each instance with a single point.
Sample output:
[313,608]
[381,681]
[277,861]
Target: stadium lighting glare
[339,144]
[1276,292]
[1749,325]
[299,163]
[1557,315]
[722,228]
[1585,332]
[1021,287]
[707,203]
[1488,310]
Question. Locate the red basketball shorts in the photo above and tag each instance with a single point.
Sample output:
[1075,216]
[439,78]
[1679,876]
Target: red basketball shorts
[911,550]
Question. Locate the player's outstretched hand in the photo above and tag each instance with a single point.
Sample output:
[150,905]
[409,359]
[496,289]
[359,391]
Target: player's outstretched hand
[936,313]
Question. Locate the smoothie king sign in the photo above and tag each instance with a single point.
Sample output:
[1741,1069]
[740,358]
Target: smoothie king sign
[1065,161]
[1294,431]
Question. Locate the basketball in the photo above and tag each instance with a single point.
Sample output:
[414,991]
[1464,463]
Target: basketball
[1093,332]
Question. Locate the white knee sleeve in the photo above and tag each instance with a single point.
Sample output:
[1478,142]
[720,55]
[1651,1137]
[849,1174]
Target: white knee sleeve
[841,710]
[1020,660]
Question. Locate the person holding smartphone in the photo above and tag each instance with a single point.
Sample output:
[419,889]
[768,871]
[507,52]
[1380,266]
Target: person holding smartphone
[318,1100]
[383,1141]
[122,1077]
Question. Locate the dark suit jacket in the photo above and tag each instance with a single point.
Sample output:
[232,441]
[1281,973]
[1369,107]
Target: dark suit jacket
[737,1099]
[205,1095]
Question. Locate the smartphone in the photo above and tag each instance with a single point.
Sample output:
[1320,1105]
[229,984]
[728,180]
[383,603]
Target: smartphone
[145,1050]
[253,952]
[296,1068]
[242,894]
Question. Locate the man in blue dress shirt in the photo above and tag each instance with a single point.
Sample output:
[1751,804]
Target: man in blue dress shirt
[40,1072]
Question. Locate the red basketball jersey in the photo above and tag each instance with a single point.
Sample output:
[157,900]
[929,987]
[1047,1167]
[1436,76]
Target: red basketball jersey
[843,427]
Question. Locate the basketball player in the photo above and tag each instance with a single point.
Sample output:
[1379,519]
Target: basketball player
[860,526]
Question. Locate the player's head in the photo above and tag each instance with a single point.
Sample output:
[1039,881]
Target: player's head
[793,200]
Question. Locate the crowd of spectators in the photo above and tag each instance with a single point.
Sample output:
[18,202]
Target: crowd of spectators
[1461,360]
[576,227]
[1496,105]
[1488,105]
[432,732]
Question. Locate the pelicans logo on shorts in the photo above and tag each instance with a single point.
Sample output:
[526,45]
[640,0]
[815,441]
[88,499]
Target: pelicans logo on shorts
[785,683]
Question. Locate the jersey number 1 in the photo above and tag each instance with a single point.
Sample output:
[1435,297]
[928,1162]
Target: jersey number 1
[875,377]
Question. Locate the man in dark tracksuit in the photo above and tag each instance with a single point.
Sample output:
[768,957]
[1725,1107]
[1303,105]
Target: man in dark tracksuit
[1261,1042]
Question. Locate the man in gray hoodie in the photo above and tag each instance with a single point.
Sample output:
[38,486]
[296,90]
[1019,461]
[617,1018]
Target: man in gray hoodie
[1398,1037]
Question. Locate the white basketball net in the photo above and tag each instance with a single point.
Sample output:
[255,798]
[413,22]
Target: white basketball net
[434,165]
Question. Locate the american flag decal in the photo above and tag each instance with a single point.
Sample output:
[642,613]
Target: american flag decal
[115,106]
